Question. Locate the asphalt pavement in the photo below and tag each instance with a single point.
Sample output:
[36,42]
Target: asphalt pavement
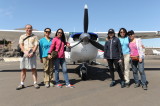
[93,92]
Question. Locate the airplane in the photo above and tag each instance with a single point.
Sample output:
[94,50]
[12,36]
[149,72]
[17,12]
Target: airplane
[85,46]
[156,52]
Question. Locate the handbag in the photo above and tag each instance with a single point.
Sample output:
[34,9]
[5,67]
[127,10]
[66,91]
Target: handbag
[54,54]
[20,51]
[135,58]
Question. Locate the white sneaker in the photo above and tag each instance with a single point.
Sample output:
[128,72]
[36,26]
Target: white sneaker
[70,86]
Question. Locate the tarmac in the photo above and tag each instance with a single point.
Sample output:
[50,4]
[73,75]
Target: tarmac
[93,92]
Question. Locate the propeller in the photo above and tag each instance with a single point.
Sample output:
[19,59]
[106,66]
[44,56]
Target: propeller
[85,19]
[77,43]
[96,44]
[85,37]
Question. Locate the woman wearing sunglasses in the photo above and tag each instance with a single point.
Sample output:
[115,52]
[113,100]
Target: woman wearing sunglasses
[58,45]
[44,45]
[124,39]
[137,60]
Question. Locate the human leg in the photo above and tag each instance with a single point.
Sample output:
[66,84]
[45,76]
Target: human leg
[126,68]
[64,69]
[46,71]
[142,74]
[134,65]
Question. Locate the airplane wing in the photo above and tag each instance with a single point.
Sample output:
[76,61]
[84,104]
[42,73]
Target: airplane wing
[139,34]
[13,35]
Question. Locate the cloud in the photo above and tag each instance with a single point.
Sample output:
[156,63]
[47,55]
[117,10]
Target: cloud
[6,13]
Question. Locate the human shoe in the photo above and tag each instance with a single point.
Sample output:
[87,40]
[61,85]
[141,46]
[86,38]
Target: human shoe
[51,84]
[144,87]
[127,85]
[70,86]
[59,85]
[113,83]
[122,84]
[36,86]
[136,85]
[47,85]
[20,87]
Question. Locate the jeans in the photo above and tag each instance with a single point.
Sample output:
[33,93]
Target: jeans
[117,67]
[138,66]
[62,62]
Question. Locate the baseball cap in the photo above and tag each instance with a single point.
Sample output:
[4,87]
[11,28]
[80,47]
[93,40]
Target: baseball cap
[131,32]
[111,31]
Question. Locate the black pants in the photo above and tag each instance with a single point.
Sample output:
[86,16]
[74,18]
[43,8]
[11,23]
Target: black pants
[114,62]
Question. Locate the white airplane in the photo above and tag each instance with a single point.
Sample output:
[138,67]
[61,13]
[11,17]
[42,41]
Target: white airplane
[84,46]
[156,52]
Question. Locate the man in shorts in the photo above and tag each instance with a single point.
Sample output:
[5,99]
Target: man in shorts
[28,43]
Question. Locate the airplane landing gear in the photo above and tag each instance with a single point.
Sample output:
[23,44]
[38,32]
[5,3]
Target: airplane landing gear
[83,72]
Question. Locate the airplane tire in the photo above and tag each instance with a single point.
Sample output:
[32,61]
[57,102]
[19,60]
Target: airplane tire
[83,74]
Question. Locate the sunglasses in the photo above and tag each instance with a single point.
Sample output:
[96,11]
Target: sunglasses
[130,34]
[48,31]
[59,32]
[122,32]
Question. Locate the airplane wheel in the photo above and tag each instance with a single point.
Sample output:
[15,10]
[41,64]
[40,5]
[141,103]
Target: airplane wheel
[83,73]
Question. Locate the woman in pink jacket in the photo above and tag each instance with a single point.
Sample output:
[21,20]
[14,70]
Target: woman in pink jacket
[58,44]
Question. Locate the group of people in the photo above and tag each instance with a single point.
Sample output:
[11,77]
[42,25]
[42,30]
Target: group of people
[29,43]
[120,52]
[117,51]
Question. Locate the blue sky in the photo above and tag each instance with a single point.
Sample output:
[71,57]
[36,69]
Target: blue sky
[139,15]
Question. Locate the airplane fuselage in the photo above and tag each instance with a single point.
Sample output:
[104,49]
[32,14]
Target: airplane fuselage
[82,52]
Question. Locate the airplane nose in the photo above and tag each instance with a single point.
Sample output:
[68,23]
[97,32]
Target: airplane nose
[84,36]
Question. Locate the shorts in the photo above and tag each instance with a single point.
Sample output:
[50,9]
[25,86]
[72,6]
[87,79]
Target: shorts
[28,63]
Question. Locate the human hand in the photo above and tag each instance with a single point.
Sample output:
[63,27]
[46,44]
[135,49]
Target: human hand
[105,60]
[49,56]
[41,61]
[68,45]
[140,60]
[30,54]
[26,53]
[120,60]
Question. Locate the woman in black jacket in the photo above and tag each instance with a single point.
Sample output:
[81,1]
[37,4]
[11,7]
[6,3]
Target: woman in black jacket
[113,54]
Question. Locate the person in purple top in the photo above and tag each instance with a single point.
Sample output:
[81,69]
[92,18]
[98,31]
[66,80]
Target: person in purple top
[58,44]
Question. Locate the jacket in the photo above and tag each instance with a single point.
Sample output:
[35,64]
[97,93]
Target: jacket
[112,49]
[139,48]
[57,45]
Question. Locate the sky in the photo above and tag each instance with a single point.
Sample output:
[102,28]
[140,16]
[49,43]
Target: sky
[138,15]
